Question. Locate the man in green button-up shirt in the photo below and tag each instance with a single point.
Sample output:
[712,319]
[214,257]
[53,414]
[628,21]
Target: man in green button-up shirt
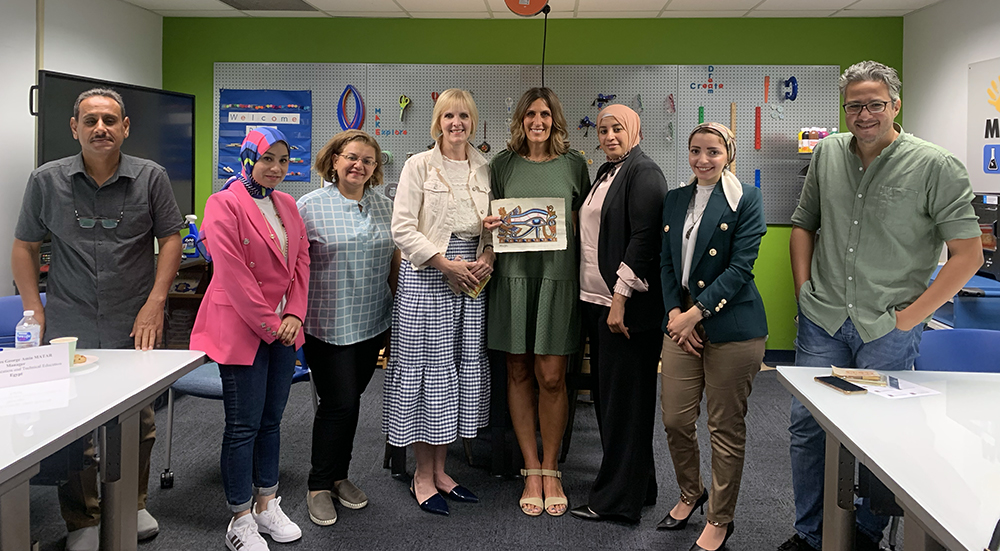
[876,207]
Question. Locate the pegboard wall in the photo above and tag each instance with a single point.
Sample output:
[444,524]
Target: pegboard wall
[496,89]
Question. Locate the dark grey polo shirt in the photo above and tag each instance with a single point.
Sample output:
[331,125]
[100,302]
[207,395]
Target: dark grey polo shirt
[98,278]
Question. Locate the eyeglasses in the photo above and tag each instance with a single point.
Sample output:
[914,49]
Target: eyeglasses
[873,107]
[88,222]
[352,158]
[106,223]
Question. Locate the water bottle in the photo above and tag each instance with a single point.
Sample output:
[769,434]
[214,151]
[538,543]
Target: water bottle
[28,332]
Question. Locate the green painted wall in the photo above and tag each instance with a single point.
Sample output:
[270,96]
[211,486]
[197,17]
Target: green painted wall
[192,45]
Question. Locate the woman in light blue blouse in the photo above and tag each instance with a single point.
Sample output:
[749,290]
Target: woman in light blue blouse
[354,264]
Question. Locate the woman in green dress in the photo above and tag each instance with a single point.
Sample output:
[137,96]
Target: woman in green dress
[533,302]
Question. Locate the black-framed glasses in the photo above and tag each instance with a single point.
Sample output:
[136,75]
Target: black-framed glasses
[352,158]
[87,222]
[873,107]
[106,223]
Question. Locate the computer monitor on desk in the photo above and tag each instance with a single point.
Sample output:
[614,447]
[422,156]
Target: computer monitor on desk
[986,209]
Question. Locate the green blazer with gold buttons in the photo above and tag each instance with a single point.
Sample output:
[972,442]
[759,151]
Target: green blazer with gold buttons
[721,276]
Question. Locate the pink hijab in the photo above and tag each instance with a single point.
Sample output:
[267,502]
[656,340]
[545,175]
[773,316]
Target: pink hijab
[626,117]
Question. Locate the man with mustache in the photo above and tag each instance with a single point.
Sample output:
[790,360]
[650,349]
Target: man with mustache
[102,209]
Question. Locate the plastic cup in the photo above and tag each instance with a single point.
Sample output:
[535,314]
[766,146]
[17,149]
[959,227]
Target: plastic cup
[71,341]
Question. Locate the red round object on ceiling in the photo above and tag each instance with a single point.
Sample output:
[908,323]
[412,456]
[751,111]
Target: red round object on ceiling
[526,8]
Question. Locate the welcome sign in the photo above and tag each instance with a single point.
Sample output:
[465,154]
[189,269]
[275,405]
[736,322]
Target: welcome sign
[983,154]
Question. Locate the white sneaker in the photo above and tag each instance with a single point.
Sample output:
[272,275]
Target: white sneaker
[84,539]
[273,521]
[146,525]
[242,535]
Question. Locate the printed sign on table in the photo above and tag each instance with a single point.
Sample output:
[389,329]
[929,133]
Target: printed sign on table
[22,366]
[240,111]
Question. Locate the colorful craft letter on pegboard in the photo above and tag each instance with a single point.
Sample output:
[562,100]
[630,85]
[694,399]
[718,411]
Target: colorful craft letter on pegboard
[528,226]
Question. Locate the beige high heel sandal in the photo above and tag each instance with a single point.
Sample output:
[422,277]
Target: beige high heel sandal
[536,501]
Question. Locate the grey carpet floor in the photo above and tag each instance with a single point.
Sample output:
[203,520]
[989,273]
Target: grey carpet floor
[193,514]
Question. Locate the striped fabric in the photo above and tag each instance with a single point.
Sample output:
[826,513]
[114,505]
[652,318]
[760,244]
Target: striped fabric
[437,384]
[350,252]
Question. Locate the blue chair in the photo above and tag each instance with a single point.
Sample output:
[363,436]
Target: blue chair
[971,350]
[205,382]
[11,312]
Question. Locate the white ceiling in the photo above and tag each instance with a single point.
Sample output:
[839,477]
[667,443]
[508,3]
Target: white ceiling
[565,9]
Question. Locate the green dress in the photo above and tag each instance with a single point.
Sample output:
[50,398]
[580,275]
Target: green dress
[534,296]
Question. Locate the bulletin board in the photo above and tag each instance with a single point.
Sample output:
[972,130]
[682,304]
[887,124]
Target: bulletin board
[645,88]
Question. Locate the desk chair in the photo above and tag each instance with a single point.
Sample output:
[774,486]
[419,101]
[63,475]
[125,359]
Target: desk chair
[206,382]
[971,350]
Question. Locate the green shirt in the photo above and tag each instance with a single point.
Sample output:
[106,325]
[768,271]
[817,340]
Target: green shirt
[880,230]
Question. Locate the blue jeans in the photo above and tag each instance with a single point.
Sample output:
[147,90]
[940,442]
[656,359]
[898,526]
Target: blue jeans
[814,347]
[254,398]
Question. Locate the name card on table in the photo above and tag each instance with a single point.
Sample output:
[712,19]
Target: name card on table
[22,366]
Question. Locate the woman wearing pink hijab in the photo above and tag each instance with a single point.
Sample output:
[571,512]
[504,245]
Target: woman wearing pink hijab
[622,314]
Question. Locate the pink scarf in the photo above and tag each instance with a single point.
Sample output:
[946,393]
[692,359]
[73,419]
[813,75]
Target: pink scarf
[626,117]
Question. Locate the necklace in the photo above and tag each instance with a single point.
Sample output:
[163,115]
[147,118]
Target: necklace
[270,229]
[694,205]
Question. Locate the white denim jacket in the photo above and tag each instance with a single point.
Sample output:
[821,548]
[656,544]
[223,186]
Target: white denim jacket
[419,225]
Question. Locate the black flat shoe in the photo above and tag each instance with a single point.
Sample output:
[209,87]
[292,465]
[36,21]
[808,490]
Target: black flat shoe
[729,532]
[671,523]
[461,493]
[585,512]
[434,504]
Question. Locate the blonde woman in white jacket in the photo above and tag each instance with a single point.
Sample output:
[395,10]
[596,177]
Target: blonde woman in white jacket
[437,385]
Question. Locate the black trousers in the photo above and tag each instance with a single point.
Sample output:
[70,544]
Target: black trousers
[625,402]
[341,374]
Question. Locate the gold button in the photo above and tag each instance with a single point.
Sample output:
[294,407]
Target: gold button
[717,308]
[712,252]
[246,241]
[666,228]
[723,301]
[723,226]
[701,284]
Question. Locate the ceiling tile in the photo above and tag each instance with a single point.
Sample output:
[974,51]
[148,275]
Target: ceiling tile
[798,4]
[181,5]
[621,5]
[616,14]
[556,5]
[482,14]
[791,13]
[711,5]
[871,13]
[458,6]
[200,13]
[278,13]
[507,14]
[354,5]
[892,4]
[372,14]
[703,13]
[270,5]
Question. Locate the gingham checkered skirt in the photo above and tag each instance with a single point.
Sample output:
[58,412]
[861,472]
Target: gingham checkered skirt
[437,383]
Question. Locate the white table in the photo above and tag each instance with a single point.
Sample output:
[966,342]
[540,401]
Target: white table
[939,455]
[36,425]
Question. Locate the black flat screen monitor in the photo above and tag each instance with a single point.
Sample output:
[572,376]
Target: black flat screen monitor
[162,126]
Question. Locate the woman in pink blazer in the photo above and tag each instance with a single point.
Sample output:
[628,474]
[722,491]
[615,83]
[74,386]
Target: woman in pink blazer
[250,322]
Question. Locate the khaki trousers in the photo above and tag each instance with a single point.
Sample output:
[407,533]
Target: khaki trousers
[79,500]
[725,373]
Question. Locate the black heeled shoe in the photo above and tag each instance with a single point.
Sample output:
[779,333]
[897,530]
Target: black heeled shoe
[460,493]
[729,532]
[671,523]
[434,504]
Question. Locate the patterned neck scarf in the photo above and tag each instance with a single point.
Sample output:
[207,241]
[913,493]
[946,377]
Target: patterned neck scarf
[254,145]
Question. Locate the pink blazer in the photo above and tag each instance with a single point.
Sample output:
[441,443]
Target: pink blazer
[251,275]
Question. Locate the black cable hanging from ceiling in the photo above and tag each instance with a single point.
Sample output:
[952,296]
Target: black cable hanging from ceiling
[545,32]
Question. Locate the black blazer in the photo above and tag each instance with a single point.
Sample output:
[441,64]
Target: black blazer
[721,275]
[630,233]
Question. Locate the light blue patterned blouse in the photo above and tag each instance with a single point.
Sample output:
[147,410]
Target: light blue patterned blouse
[351,253]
